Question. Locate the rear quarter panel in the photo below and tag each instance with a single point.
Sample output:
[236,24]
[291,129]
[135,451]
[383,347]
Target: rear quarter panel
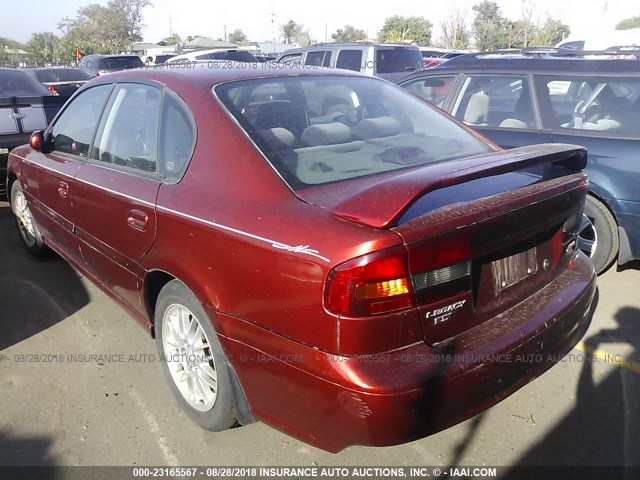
[234,233]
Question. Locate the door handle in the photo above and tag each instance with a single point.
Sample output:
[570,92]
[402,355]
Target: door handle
[138,219]
[63,189]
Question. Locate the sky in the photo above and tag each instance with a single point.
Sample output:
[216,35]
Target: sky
[322,18]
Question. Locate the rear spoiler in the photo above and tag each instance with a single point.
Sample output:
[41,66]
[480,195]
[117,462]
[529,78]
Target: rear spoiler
[393,195]
[70,82]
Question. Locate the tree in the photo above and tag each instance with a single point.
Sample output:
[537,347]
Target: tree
[99,29]
[349,34]
[171,40]
[41,47]
[550,32]
[8,44]
[131,12]
[455,34]
[628,23]
[490,28]
[398,29]
[293,32]
[237,36]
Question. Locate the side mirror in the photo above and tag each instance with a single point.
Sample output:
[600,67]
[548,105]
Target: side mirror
[41,142]
[36,141]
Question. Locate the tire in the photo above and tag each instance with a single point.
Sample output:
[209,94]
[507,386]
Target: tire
[31,238]
[194,363]
[598,234]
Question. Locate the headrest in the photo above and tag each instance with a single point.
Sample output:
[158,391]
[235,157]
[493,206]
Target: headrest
[377,128]
[326,134]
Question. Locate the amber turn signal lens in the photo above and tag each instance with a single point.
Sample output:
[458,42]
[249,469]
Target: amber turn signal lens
[389,288]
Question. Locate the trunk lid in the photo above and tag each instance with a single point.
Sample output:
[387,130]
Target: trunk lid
[481,234]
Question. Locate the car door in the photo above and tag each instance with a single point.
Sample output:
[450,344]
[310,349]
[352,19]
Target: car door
[435,89]
[116,190]
[49,180]
[602,114]
[500,107]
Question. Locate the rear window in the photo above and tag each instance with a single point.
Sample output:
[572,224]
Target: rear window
[14,83]
[51,75]
[238,56]
[398,59]
[322,129]
[120,63]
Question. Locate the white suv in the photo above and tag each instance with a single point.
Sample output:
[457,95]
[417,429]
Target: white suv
[386,60]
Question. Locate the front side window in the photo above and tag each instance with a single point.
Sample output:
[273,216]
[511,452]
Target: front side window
[74,128]
[315,59]
[323,129]
[594,104]
[502,101]
[291,59]
[128,133]
[432,89]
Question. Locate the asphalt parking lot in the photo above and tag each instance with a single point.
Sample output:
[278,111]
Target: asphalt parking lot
[81,411]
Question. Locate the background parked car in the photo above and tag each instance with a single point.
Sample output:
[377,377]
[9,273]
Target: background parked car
[96,65]
[233,55]
[385,60]
[529,98]
[343,275]
[60,81]
[25,106]
[434,56]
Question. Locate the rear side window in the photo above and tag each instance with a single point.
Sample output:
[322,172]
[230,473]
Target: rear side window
[502,101]
[177,137]
[75,126]
[349,60]
[128,133]
[592,104]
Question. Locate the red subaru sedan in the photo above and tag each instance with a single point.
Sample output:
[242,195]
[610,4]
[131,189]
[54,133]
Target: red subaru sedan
[315,249]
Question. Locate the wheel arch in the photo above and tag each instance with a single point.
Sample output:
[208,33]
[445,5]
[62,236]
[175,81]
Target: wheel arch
[600,195]
[11,178]
[152,284]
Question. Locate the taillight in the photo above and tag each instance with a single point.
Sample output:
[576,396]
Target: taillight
[52,89]
[572,227]
[372,284]
[440,267]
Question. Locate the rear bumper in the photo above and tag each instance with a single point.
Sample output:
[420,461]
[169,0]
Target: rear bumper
[332,402]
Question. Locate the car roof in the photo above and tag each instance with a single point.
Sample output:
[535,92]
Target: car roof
[203,77]
[515,63]
[205,52]
[317,46]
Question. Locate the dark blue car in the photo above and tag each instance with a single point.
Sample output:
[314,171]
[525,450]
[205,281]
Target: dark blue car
[523,99]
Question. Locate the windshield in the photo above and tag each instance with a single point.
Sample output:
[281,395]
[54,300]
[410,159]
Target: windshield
[398,59]
[322,129]
[120,63]
[51,75]
[235,56]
